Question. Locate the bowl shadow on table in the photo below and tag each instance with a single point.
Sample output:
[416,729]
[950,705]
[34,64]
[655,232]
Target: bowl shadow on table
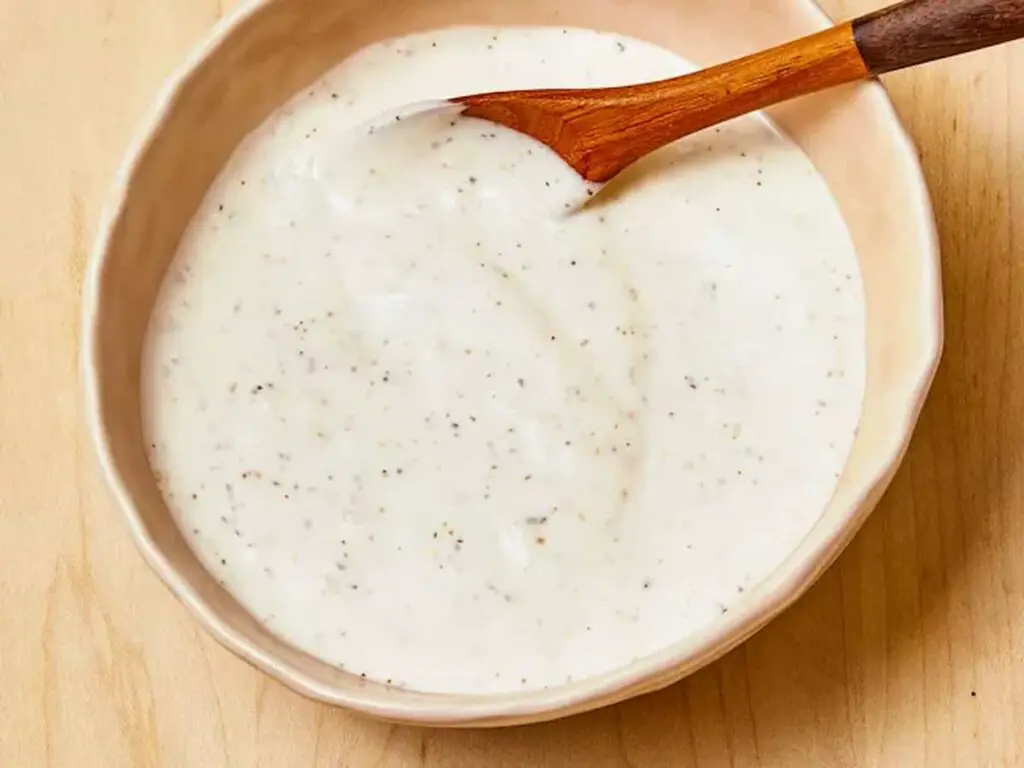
[820,683]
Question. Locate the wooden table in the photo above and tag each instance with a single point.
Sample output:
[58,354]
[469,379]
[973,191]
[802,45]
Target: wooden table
[907,653]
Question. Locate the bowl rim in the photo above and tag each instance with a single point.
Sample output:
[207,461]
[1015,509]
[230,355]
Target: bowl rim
[791,579]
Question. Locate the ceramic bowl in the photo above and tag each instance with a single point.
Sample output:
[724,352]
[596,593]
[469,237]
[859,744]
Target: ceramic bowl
[267,51]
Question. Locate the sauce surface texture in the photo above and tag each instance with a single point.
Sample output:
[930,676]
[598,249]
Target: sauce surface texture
[427,426]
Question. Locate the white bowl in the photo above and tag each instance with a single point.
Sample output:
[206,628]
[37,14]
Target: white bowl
[269,50]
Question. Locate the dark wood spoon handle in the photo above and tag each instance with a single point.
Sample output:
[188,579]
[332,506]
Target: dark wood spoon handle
[918,31]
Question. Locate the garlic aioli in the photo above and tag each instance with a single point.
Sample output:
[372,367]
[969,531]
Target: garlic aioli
[430,428]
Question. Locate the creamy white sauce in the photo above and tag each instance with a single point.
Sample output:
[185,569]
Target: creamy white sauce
[430,429]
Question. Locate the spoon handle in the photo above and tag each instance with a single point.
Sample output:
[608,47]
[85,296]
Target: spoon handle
[918,31]
[628,123]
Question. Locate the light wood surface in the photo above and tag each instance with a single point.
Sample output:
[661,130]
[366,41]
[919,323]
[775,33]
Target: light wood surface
[909,652]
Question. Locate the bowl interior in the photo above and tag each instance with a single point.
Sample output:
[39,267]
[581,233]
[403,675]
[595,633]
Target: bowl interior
[264,54]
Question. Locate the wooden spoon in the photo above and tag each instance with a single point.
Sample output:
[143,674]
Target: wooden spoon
[600,131]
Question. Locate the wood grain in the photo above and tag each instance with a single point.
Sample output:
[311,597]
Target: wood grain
[907,653]
[601,131]
[917,31]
